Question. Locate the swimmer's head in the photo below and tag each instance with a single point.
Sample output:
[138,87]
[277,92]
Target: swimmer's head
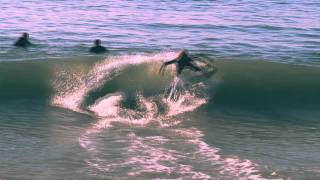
[25,35]
[97,42]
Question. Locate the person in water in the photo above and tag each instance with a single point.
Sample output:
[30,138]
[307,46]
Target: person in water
[23,41]
[184,60]
[97,48]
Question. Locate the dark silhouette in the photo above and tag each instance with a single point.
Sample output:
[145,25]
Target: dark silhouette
[23,41]
[184,60]
[97,48]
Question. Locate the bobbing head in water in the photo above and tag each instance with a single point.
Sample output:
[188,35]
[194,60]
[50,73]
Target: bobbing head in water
[23,41]
[25,35]
[97,48]
[97,42]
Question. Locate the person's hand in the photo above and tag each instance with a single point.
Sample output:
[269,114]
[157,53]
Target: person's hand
[162,68]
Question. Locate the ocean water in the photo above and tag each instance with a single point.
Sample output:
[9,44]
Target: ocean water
[69,114]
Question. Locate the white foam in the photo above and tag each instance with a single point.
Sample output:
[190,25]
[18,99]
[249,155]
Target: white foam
[230,165]
[84,83]
[158,160]
[148,157]
[181,100]
[107,106]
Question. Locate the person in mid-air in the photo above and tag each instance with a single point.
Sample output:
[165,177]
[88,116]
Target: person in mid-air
[184,60]
[97,48]
[23,41]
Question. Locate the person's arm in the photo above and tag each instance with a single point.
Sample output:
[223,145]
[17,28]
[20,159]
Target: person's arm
[164,65]
[28,42]
[18,42]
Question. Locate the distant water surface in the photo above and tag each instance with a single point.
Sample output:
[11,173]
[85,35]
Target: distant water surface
[286,31]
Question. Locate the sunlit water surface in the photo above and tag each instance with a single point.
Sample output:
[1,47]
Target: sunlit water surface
[287,31]
[67,114]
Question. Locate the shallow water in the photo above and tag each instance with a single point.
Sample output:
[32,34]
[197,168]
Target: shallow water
[67,114]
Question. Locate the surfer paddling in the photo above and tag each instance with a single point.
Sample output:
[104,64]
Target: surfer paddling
[184,60]
[23,41]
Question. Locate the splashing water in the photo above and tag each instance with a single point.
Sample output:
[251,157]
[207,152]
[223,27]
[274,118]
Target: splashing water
[101,73]
[174,93]
[147,157]
[179,98]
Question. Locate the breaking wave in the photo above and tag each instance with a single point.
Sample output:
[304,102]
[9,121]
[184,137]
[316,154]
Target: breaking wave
[127,91]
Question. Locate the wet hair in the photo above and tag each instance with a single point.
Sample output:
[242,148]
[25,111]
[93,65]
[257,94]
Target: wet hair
[25,35]
[97,42]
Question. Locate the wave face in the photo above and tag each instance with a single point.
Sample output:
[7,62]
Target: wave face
[75,84]
[262,85]
[25,80]
[144,123]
